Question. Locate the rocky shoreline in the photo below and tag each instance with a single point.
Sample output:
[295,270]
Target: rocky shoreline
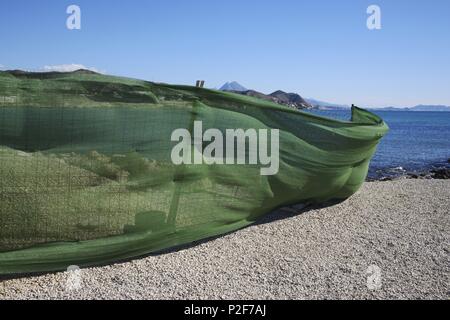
[437,171]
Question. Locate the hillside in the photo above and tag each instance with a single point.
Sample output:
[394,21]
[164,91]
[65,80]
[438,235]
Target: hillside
[291,100]
[81,88]
[84,88]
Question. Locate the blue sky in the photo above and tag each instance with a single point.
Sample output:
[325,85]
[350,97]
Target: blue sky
[320,49]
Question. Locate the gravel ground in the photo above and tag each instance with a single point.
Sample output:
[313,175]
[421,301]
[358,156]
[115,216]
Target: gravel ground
[388,241]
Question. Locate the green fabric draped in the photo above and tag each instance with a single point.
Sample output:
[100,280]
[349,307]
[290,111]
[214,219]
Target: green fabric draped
[86,175]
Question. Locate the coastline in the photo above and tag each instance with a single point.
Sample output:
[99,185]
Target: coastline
[438,170]
[401,227]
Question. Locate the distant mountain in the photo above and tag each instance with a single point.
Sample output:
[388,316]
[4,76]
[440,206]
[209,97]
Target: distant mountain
[430,108]
[389,109]
[333,106]
[233,86]
[292,100]
[417,108]
[326,105]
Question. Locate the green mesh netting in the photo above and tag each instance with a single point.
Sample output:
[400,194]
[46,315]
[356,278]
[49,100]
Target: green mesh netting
[86,174]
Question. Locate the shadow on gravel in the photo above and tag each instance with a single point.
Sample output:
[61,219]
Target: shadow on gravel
[277,214]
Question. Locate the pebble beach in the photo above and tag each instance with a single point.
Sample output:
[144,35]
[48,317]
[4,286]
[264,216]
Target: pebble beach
[391,240]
